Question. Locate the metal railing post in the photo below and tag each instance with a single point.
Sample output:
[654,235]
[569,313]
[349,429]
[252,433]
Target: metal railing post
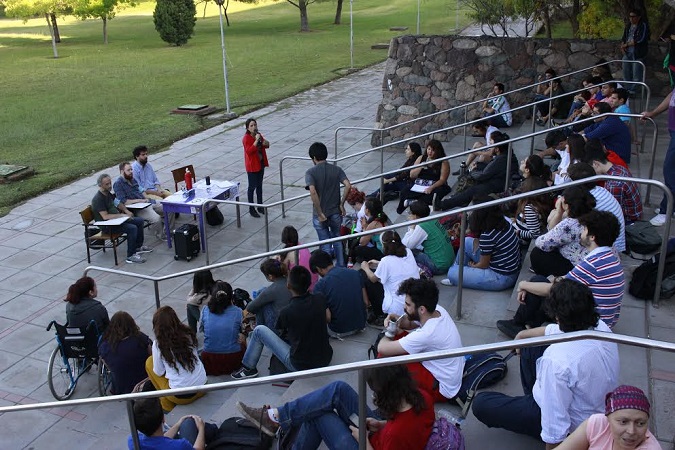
[363,395]
[664,248]
[466,119]
[534,118]
[156,286]
[460,272]
[206,242]
[132,425]
[281,180]
[267,230]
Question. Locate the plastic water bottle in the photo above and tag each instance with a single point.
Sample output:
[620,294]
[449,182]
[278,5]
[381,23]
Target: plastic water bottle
[462,168]
[457,421]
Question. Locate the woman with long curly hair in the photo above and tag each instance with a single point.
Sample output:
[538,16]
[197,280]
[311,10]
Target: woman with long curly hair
[324,415]
[428,180]
[82,308]
[124,348]
[224,345]
[174,362]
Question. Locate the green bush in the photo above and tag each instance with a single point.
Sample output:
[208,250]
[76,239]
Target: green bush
[175,20]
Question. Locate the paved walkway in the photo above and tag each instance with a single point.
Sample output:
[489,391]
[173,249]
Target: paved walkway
[43,253]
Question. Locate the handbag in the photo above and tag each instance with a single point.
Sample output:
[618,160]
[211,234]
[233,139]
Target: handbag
[463,182]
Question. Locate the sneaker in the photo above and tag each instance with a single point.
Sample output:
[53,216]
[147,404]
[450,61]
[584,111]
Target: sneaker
[135,259]
[143,249]
[509,327]
[658,220]
[658,211]
[244,373]
[446,282]
[260,418]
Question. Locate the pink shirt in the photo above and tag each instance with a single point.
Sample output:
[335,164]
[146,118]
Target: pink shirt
[303,260]
[600,437]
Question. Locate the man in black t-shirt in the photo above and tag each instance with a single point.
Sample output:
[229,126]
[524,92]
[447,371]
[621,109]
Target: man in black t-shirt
[302,326]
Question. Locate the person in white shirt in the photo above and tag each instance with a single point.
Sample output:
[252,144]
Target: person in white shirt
[429,328]
[563,384]
[397,266]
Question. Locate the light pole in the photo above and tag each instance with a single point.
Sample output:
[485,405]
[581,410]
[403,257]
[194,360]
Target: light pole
[418,17]
[351,35]
[222,44]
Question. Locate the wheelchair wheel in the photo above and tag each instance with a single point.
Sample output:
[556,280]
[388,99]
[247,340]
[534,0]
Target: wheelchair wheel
[60,376]
[104,379]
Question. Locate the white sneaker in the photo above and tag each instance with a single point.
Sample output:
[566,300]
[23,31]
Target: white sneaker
[135,259]
[658,211]
[143,249]
[658,220]
[446,282]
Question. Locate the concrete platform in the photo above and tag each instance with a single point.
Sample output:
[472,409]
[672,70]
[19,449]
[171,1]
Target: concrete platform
[42,244]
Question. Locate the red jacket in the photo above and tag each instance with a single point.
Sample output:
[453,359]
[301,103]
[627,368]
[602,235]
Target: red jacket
[251,157]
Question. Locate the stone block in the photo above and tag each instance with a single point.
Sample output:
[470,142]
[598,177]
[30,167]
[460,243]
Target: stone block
[465,44]
[408,110]
[464,91]
[417,80]
[580,60]
[580,47]
[488,50]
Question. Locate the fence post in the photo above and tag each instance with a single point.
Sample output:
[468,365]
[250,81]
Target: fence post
[460,274]
[363,394]
[132,425]
[156,283]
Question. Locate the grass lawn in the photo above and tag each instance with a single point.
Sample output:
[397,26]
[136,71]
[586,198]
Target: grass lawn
[86,110]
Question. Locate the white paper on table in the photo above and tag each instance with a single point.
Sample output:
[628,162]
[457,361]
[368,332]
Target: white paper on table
[138,205]
[112,222]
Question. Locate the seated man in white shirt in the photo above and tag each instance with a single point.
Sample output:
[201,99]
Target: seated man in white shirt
[430,328]
[563,384]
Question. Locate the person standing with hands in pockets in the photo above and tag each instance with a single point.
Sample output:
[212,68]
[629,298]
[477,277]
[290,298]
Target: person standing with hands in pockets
[255,161]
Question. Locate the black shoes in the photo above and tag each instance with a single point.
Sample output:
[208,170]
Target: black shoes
[253,212]
[261,210]
[509,327]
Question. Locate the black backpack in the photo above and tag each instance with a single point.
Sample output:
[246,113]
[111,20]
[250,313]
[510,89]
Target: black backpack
[237,433]
[241,298]
[481,370]
[643,283]
[642,237]
[214,217]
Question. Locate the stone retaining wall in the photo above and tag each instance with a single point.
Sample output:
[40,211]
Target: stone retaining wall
[426,74]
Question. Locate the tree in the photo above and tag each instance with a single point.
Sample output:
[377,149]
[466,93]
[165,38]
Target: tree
[338,13]
[493,13]
[100,9]
[301,5]
[28,9]
[175,20]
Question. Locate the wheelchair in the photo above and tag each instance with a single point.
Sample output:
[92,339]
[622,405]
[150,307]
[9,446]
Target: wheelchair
[76,353]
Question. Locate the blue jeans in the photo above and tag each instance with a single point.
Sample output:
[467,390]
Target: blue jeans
[266,316]
[669,171]
[425,260]
[327,229]
[518,414]
[632,71]
[323,415]
[480,279]
[265,337]
[133,228]
[188,431]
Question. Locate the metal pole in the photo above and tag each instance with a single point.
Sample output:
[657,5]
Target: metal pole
[156,283]
[460,273]
[457,18]
[222,44]
[418,16]
[363,432]
[351,37]
[132,425]
[267,230]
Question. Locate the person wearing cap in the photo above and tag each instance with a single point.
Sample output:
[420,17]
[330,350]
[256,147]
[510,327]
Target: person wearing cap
[623,426]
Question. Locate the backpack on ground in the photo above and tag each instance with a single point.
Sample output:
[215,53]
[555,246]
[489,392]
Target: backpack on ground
[481,370]
[214,217]
[241,298]
[372,350]
[445,436]
[643,283]
[642,238]
[237,433]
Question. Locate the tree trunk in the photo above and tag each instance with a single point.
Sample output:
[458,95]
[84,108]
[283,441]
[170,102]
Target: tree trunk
[304,21]
[55,26]
[574,17]
[338,13]
[227,19]
[546,17]
[105,30]
[51,33]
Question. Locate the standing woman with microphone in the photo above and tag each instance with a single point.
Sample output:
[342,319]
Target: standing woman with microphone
[255,161]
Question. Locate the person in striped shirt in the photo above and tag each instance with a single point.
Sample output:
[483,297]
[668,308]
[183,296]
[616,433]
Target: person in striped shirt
[600,270]
[492,261]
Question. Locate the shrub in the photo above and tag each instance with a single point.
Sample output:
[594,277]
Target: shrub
[175,20]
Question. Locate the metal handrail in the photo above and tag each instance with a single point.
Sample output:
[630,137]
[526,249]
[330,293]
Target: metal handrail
[360,366]
[458,306]
[474,102]
[450,128]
